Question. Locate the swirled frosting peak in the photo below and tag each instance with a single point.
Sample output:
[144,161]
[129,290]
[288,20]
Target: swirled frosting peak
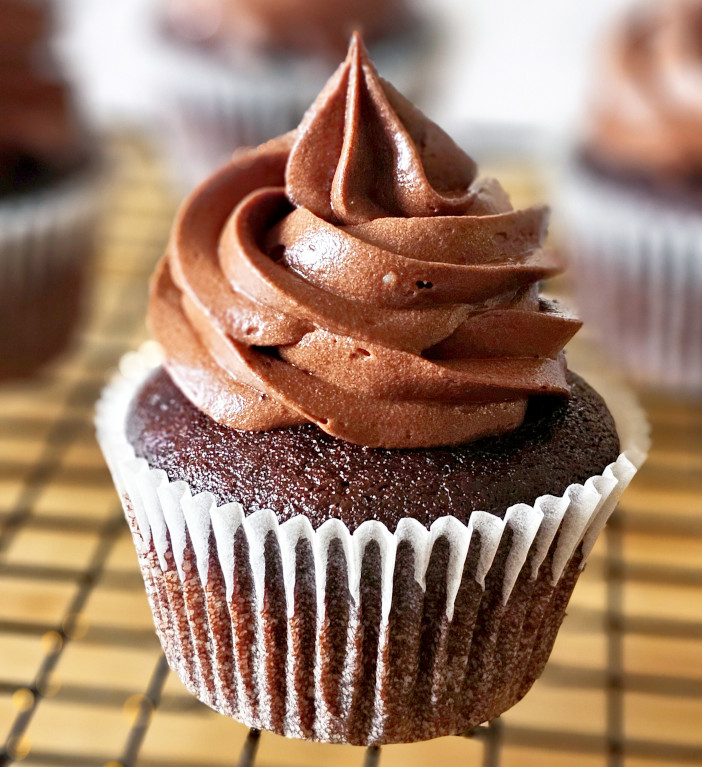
[648,105]
[365,152]
[356,274]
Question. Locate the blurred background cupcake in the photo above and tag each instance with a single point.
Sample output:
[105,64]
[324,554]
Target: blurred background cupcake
[633,197]
[232,73]
[48,203]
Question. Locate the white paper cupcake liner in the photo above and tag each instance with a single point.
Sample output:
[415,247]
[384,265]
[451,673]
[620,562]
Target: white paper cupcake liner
[207,107]
[638,275]
[47,240]
[366,638]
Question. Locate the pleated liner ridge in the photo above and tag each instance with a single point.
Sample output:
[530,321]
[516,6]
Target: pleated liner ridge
[364,638]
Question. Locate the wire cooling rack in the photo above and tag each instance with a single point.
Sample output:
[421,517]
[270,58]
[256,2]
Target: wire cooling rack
[83,682]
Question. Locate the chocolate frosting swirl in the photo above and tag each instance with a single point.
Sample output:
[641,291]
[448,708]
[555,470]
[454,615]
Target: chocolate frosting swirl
[648,107]
[36,114]
[357,275]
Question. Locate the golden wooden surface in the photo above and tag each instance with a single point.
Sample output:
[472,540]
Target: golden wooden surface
[77,649]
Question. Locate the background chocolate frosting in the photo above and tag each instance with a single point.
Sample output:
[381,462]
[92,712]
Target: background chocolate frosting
[356,274]
[648,103]
[319,26]
[36,113]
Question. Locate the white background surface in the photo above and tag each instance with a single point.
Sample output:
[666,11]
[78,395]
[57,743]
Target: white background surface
[507,62]
[521,61]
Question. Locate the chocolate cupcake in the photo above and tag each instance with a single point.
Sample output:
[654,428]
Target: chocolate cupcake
[48,200]
[633,198]
[231,73]
[361,481]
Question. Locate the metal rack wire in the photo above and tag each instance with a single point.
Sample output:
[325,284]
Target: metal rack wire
[82,679]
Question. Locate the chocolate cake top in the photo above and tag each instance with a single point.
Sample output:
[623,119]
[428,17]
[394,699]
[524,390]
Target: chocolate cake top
[302,470]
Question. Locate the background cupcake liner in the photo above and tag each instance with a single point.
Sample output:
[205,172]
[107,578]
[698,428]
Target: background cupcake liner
[638,275]
[207,107]
[368,638]
[47,240]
